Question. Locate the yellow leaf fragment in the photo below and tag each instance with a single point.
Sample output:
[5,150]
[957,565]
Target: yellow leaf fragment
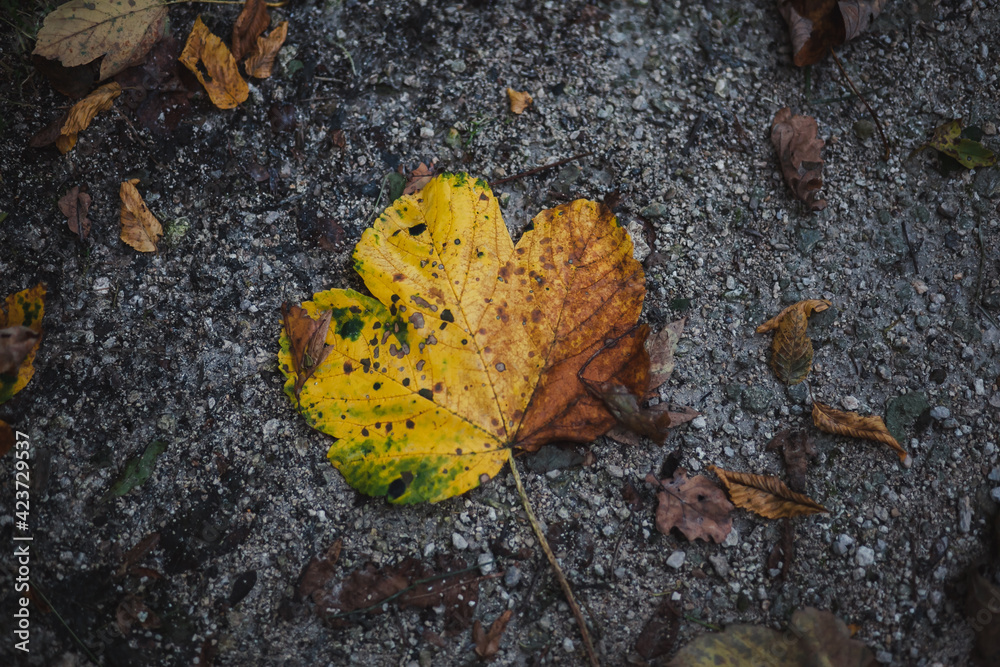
[260,62]
[792,350]
[20,336]
[226,88]
[808,307]
[471,345]
[140,228]
[81,31]
[854,425]
[766,495]
[83,112]
[518,101]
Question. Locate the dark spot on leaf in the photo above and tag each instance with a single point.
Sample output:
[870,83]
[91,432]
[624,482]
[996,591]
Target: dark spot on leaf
[417,230]
[364,432]
[458,242]
[438,388]
[351,329]
[376,387]
[398,486]
[355,309]
[394,298]
[458,450]
[367,365]
[426,393]
[465,341]
[406,382]
[443,325]
[409,423]
[377,325]
[447,316]
[348,368]
[396,277]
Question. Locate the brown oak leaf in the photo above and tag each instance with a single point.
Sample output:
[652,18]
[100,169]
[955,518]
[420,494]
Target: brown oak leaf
[765,495]
[792,350]
[817,26]
[75,205]
[695,506]
[794,137]
[250,24]
[854,425]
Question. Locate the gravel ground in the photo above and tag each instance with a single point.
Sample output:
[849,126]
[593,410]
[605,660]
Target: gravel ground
[674,101]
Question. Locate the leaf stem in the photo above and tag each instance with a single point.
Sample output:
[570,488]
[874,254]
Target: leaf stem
[536,170]
[66,625]
[567,591]
[878,123]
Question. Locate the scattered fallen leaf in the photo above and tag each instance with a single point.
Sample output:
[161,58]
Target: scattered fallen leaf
[765,495]
[138,469]
[518,101]
[797,449]
[250,24]
[7,438]
[20,336]
[792,350]
[817,26]
[409,583]
[140,228]
[488,642]
[623,404]
[659,635]
[83,112]
[948,139]
[695,506]
[814,637]
[48,134]
[226,88]
[854,425]
[472,345]
[132,610]
[317,573]
[308,341]
[418,178]
[661,348]
[74,205]
[81,31]
[157,91]
[260,62]
[138,552]
[794,137]
[779,560]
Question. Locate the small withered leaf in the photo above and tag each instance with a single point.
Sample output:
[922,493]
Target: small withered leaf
[488,642]
[765,495]
[797,449]
[221,77]
[854,425]
[695,506]
[252,21]
[798,146]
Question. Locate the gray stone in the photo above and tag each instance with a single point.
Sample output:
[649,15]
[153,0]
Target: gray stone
[940,412]
[808,238]
[720,565]
[699,423]
[948,208]
[512,577]
[863,129]
[842,544]
[459,541]
[865,557]
[654,210]
[903,411]
[987,183]
[757,400]
[676,559]
[640,103]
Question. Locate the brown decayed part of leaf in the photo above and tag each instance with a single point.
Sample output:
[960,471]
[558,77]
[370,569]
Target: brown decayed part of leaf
[308,340]
[140,228]
[659,635]
[623,404]
[252,21]
[816,26]
[260,62]
[854,425]
[16,343]
[81,31]
[695,506]
[488,642]
[797,449]
[808,307]
[518,101]
[418,178]
[794,137]
[783,552]
[765,495]
[7,439]
[74,205]
[226,88]
[317,573]
[83,112]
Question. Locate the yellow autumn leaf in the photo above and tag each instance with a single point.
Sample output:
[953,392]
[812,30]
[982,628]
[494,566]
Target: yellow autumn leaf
[471,345]
[854,425]
[81,31]
[226,88]
[140,228]
[792,350]
[261,60]
[20,326]
[83,112]
[518,101]
[765,495]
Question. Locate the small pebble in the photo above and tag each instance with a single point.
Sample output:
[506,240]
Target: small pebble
[676,559]
[568,645]
[640,104]
[843,544]
[940,412]
[699,423]
[948,208]
[459,541]
[850,403]
[720,565]
[864,557]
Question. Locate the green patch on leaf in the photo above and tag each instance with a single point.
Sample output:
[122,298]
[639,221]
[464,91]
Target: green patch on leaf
[139,469]
[952,141]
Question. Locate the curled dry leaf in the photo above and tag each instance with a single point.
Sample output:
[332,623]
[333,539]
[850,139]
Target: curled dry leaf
[695,506]
[81,31]
[20,336]
[226,88]
[625,406]
[854,425]
[792,350]
[794,137]
[83,112]
[518,101]
[260,62]
[250,24]
[765,495]
[461,356]
[659,635]
[488,642]
[797,449]
[816,26]
[308,341]
[74,205]
[140,228]
[418,178]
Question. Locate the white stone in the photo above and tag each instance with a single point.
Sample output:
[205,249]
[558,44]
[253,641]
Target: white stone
[864,557]
[459,541]
[676,559]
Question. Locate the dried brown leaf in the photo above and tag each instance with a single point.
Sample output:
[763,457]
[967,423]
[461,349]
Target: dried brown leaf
[250,24]
[661,348]
[659,635]
[623,404]
[418,178]
[140,228]
[488,642]
[518,101]
[307,338]
[318,573]
[695,506]
[765,495]
[783,552]
[226,88]
[260,62]
[74,205]
[83,112]
[854,425]
[816,26]
[16,343]
[794,137]
[48,134]
[797,449]
[808,307]
[792,350]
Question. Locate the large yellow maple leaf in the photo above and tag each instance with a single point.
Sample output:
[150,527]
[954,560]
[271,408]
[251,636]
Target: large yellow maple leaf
[472,345]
